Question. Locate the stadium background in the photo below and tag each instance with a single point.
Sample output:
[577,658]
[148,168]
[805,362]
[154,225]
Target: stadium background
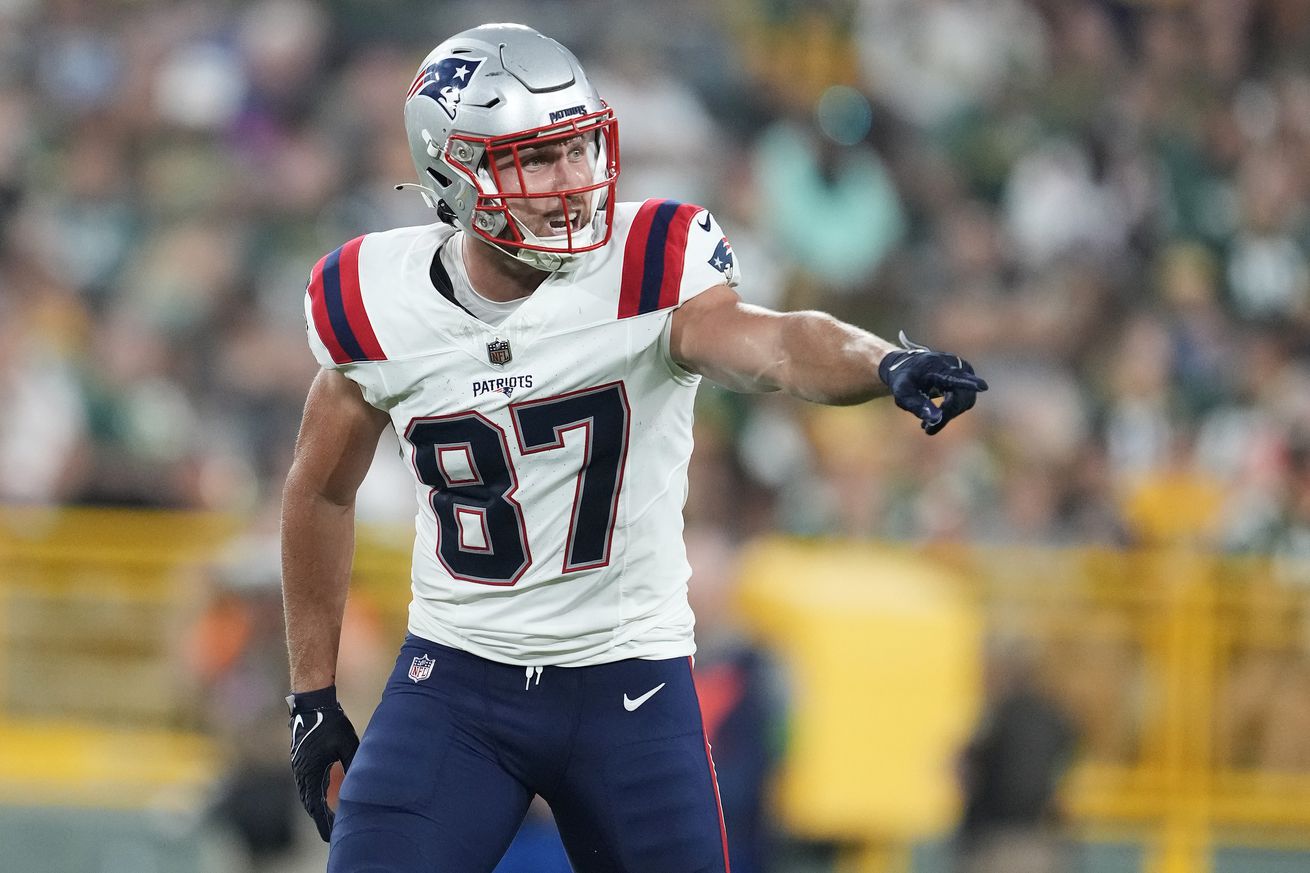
[1101,203]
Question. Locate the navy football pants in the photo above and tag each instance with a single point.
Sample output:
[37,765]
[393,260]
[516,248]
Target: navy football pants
[448,765]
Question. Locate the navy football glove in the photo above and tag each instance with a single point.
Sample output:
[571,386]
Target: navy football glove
[321,735]
[916,374]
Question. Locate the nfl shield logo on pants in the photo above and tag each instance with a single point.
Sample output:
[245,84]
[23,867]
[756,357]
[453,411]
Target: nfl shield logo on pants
[421,668]
[498,352]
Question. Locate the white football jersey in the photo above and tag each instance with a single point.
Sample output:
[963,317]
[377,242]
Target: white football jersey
[549,453]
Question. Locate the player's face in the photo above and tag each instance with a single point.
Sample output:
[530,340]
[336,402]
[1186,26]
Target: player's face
[545,169]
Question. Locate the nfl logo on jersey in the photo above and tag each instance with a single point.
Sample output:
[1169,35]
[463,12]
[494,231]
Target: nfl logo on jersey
[498,352]
[421,668]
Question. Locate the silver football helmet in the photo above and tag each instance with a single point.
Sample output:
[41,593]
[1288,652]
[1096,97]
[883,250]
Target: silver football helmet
[490,114]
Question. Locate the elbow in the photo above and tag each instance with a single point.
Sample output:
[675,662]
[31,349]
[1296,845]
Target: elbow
[303,489]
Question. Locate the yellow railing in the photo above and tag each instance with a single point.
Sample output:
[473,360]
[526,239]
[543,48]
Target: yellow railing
[1187,674]
[1173,663]
[93,699]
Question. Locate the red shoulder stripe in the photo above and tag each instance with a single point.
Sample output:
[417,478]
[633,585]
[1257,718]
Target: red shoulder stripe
[353,301]
[675,254]
[634,259]
[338,307]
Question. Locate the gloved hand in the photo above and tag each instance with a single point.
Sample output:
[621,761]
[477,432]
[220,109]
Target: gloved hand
[916,374]
[321,735]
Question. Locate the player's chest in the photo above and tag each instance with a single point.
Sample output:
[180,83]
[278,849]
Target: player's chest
[488,369]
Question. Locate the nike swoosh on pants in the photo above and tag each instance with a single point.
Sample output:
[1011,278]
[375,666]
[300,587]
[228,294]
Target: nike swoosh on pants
[629,704]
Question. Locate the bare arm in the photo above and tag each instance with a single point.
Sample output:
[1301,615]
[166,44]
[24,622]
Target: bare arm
[747,348]
[338,436]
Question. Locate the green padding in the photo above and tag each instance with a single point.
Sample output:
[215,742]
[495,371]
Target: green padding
[1244,860]
[1111,858]
[56,840]
[1092,857]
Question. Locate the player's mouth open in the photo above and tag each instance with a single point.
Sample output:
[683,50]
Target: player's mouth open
[559,225]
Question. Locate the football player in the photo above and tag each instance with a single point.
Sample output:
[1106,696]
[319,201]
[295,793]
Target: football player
[537,350]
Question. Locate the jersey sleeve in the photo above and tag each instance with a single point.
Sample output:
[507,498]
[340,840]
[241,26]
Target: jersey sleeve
[673,252]
[709,260]
[340,333]
[316,344]
[340,328]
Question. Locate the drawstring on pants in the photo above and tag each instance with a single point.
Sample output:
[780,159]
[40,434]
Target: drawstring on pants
[529,671]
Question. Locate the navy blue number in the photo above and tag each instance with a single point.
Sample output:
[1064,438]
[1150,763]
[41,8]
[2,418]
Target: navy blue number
[464,458]
[602,414]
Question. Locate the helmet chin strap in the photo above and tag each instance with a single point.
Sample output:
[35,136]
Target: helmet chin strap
[553,261]
[547,262]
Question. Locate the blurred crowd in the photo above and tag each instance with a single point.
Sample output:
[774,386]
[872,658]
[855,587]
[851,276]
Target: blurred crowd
[1100,203]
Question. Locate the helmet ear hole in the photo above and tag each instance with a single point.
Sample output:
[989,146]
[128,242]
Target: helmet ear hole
[441,180]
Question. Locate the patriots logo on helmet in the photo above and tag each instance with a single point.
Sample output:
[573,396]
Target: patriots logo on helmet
[721,260]
[444,80]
